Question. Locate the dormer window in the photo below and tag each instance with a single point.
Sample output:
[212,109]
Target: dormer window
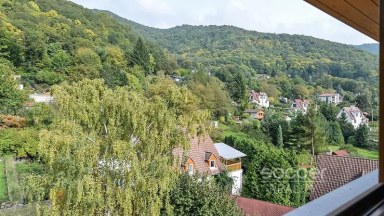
[190,169]
[212,164]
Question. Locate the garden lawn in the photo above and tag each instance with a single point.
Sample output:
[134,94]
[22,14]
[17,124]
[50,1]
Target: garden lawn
[229,131]
[3,183]
[368,154]
[12,179]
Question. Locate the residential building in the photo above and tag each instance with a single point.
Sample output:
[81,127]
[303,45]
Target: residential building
[300,105]
[231,158]
[255,113]
[353,116]
[333,99]
[201,158]
[252,207]
[259,98]
[336,171]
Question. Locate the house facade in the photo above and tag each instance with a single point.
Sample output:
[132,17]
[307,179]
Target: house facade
[202,157]
[255,113]
[353,116]
[334,99]
[259,98]
[206,158]
[231,158]
[300,105]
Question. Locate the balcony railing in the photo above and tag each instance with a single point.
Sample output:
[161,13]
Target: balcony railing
[233,166]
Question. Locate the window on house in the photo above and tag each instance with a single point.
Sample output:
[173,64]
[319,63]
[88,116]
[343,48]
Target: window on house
[212,164]
[190,169]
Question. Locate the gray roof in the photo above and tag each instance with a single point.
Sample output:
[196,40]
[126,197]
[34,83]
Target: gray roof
[227,152]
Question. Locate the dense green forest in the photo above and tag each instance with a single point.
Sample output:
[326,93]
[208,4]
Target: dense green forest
[116,106]
[369,47]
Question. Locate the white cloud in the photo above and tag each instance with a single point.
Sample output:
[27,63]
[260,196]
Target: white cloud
[277,16]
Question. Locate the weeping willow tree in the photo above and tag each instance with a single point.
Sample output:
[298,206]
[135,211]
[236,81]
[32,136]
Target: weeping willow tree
[109,151]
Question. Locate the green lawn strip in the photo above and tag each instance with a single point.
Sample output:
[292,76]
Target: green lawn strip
[12,179]
[3,183]
[20,211]
[228,131]
[367,153]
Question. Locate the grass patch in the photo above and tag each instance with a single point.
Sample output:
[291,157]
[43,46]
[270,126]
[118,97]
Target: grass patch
[21,211]
[367,153]
[3,183]
[12,179]
[230,131]
[364,153]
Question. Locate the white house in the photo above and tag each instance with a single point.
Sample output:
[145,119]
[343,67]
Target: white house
[353,116]
[231,158]
[330,98]
[300,105]
[41,98]
[259,98]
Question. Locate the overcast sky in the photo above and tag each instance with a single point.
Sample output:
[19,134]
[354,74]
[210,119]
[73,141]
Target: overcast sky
[276,16]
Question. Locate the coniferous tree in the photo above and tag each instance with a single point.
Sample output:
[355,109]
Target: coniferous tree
[362,137]
[280,141]
[141,56]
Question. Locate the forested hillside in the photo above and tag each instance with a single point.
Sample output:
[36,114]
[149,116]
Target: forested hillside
[369,47]
[50,41]
[255,52]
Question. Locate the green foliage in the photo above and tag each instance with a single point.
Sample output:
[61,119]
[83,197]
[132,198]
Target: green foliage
[128,140]
[11,98]
[193,197]
[40,114]
[19,142]
[309,132]
[211,93]
[224,181]
[3,183]
[141,56]
[280,142]
[269,172]
[336,135]
[14,189]
[363,139]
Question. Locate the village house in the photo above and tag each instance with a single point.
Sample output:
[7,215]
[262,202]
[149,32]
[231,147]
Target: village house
[300,105]
[255,114]
[353,115]
[231,158]
[259,98]
[333,99]
[206,158]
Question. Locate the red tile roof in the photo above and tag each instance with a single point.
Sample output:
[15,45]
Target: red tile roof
[255,95]
[341,153]
[200,147]
[300,104]
[253,207]
[336,171]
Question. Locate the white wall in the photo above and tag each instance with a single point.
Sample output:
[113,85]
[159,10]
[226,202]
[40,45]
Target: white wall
[237,177]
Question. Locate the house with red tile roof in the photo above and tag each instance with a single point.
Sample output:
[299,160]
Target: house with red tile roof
[206,158]
[353,116]
[336,171]
[300,105]
[252,207]
[259,98]
[328,98]
[201,158]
